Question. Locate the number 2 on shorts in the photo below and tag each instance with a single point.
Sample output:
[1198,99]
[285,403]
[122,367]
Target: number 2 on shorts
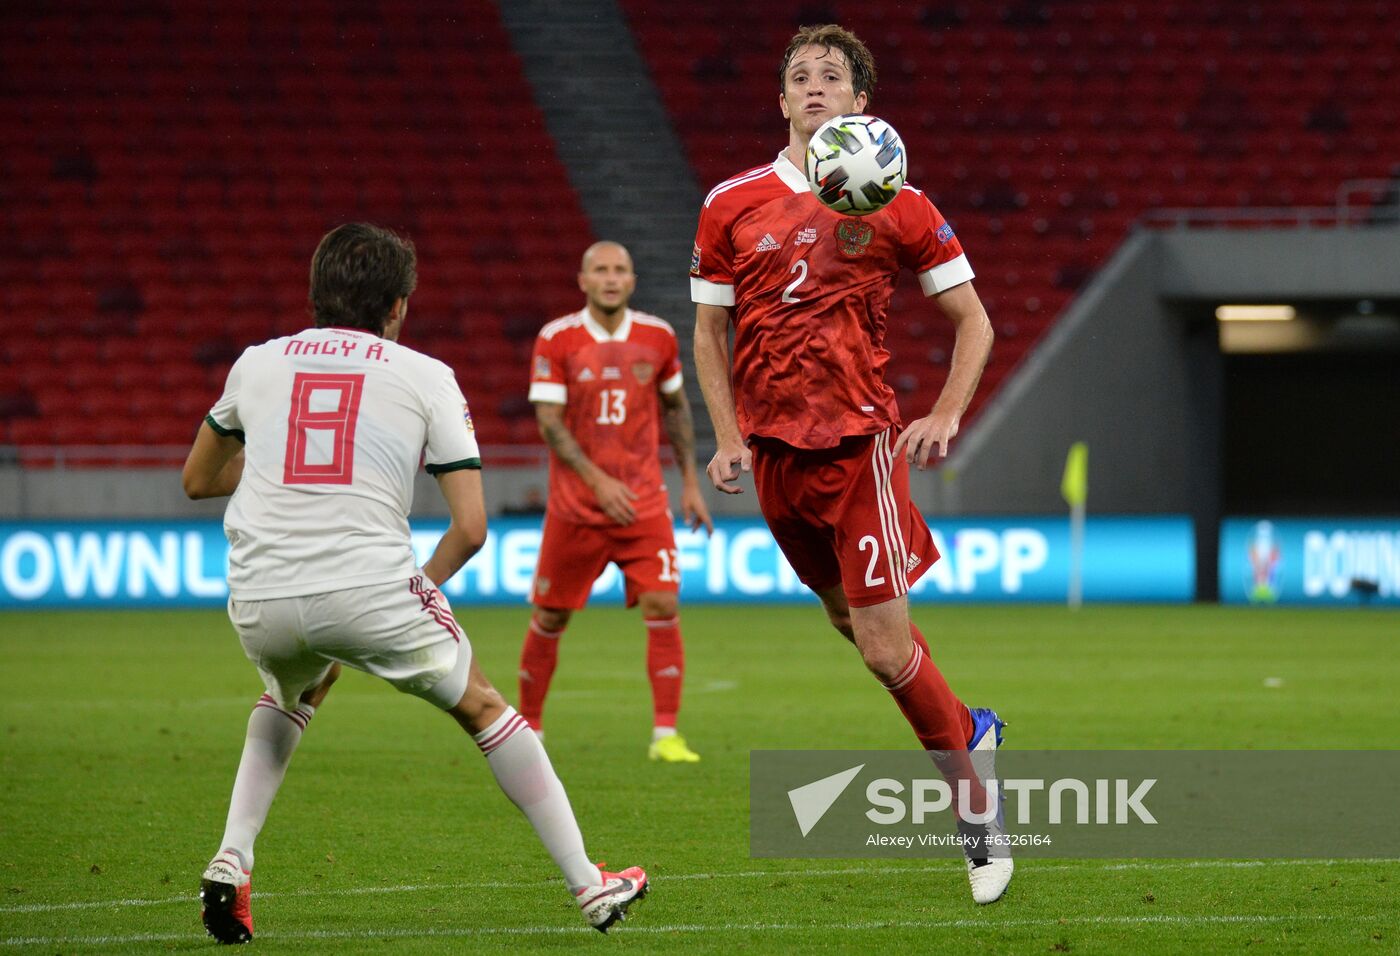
[871,578]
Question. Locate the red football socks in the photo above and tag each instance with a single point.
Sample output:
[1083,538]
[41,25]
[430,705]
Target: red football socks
[665,668]
[961,717]
[537,660]
[940,721]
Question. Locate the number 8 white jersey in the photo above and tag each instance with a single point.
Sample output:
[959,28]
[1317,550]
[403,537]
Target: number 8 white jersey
[335,423]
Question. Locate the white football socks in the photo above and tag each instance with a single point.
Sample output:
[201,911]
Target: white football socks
[518,760]
[273,735]
[525,775]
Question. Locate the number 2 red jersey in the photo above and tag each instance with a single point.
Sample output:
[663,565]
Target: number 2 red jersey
[809,290]
[609,386]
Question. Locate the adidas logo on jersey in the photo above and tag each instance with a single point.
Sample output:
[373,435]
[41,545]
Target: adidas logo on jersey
[586,375]
[767,243]
[672,671]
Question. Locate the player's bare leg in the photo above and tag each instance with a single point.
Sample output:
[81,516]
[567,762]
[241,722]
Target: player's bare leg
[481,704]
[525,775]
[896,653]
[225,889]
[885,638]
[666,671]
[883,635]
[838,612]
[538,657]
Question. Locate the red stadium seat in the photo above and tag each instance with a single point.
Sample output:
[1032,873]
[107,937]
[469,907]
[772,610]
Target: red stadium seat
[1042,130]
[215,227]
[1051,91]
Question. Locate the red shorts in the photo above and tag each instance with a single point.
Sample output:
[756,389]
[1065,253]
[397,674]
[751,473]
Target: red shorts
[843,516]
[573,555]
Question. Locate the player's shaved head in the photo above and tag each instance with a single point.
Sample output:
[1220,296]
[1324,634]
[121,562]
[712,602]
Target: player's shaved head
[601,246]
[606,277]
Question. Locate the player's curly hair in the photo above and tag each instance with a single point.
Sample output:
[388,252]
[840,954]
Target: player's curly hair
[357,273]
[834,37]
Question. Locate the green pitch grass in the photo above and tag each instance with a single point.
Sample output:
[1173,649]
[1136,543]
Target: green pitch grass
[121,733]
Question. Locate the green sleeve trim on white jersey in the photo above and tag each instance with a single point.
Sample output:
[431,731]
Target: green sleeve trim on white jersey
[226,432]
[473,463]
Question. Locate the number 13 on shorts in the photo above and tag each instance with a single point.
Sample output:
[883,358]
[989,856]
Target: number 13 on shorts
[670,565]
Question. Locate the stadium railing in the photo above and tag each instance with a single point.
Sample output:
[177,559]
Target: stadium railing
[1381,208]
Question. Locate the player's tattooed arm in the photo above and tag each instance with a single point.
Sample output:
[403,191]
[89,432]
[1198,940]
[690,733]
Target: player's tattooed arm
[614,497]
[561,441]
[680,429]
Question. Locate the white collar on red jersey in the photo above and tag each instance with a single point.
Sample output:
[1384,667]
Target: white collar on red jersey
[600,334]
[794,178]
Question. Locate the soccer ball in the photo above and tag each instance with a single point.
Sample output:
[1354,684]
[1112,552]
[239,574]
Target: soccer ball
[855,164]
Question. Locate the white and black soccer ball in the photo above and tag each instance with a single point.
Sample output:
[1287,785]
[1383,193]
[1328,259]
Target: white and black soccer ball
[855,164]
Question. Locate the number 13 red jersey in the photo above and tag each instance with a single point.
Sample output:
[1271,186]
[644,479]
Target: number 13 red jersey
[809,289]
[609,385]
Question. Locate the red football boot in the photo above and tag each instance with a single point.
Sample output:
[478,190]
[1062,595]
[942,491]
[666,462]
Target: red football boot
[225,892]
[607,903]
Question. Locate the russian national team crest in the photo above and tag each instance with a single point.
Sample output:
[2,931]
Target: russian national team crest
[853,236]
[644,371]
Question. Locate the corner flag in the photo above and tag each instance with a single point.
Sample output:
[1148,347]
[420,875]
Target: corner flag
[1075,488]
[1075,484]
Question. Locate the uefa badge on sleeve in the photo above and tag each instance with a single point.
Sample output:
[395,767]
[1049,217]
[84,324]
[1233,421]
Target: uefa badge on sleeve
[467,417]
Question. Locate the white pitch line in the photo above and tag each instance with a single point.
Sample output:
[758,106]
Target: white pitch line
[1033,869]
[430,887]
[1243,864]
[862,926]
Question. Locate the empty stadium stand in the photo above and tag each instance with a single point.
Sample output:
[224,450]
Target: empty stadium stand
[1044,128]
[167,168]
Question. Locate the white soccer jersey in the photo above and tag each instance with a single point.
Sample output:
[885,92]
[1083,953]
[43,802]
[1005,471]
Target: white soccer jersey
[334,423]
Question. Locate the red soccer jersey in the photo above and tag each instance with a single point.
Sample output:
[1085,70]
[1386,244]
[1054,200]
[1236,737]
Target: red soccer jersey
[809,289]
[609,386]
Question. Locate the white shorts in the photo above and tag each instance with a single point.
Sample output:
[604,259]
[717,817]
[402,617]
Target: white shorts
[403,632]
